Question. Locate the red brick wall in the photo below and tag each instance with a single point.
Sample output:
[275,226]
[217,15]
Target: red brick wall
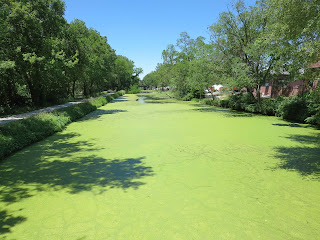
[293,88]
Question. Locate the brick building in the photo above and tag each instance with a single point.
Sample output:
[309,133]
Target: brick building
[291,88]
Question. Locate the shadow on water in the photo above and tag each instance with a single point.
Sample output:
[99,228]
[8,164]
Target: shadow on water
[7,221]
[120,99]
[153,98]
[100,112]
[304,159]
[152,101]
[226,112]
[52,165]
[145,99]
[294,125]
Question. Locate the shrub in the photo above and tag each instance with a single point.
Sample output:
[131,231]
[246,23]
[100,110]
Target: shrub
[252,108]
[234,102]
[134,89]
[248,103]
[16,135]
[122,92]
[314,107]
[19,134]
[216,102]
[241,101]
[208,101]
[224,103]
[294,108]
[188,96]
[314,119]
[269,106]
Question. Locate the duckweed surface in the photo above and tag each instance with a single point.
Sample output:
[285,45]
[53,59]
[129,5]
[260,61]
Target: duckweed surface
[165,170]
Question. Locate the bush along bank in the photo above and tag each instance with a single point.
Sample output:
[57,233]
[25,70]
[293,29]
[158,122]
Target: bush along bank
[134,89]
[302,109]
[16,135]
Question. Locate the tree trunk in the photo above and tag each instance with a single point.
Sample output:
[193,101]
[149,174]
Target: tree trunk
[85,89]
[249,91]
[73,88]
[258,95]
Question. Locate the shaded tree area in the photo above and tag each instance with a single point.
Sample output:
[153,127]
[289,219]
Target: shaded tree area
[304,158]
[8,220]
[248,47]
[44,59]
[77,175]
[20,180]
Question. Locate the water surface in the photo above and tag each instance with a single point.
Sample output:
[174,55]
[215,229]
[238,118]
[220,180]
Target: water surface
[165,171]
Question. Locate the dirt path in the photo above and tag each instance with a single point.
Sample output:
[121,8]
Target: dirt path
[44,110]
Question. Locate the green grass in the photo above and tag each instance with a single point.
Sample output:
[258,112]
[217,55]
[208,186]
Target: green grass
[19,134]
[176,170]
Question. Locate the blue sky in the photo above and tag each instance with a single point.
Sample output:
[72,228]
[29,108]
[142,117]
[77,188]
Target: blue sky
[141,29]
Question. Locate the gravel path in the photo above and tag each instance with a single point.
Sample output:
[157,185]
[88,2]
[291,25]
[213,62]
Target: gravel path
[44,110]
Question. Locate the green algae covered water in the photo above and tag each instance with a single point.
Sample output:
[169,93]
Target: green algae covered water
[165,170]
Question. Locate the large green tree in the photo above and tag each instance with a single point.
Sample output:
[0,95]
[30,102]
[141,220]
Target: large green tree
[32,39]
[250,54]
[124,69]
[43,59]
[294,26]
[96,59]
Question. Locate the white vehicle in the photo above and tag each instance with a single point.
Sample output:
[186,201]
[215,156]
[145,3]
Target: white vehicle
[217,87]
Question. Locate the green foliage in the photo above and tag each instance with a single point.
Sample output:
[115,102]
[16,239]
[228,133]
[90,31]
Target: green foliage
[314,119]
[121,92]
[294,108]
[151,80]
[244,40]
[269,106]
[134,89]
[127,74]
[189,67]
[208,101]
[295,28]
[51,60]
[16,135]
[249,47]
[19,134]
[314,107]
[224,103]
[242,102]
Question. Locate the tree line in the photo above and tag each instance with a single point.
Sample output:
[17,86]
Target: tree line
[44,59]
[248,47]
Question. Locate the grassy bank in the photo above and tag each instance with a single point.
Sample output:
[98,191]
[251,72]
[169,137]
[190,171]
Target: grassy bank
[19,134]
